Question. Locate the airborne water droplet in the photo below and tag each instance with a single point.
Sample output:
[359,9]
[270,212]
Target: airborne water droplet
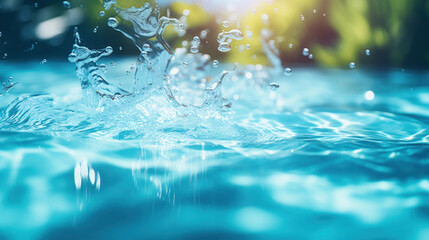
[224,47]
[305,52]
[274,86]
[215,63]
[66,4]
[112,22]
[288,71]
[146,48]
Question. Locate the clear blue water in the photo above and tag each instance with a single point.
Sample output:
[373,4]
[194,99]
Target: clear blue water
[316,159]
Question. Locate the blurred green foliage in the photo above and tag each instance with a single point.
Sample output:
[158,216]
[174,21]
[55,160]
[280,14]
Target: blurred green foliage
[337,32]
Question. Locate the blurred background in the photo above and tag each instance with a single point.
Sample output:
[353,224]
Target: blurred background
[337,32]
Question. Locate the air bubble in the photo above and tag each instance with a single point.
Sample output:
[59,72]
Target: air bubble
[226,24]
[102,14]
[352,65]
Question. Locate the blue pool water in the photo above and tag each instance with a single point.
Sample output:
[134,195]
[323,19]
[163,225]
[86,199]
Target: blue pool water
[332,154]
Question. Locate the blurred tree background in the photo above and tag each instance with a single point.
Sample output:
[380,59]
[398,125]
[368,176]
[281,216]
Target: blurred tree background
[336,32]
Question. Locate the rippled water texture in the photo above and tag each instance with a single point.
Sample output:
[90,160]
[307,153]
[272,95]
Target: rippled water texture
[316,159]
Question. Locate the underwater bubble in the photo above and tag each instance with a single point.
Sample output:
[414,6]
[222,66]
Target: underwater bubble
[43,61]
[288,71]
[290,45]
[274,86]
[101,14]
[226,24]
[368,52]
[305,52]
[352,65]
[120,48]
[66,4]
[215,63]
[310,56]
[95,29]
[224,47]
[112,22]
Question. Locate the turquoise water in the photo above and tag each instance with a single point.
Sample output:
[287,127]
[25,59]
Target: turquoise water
[331,154]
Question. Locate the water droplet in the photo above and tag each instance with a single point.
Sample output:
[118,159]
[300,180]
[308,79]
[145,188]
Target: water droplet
[103,68]
[1,34]
[95,29]
[248,46]
[43,61]
[147,48]
[288,71]
[36,5]
[302,18]
[102,14]
[314,11]
[310,56]
[274,86]
[226,24]
[215,63]
[120,48]
[305,52]
[224,47]
[112,22]
[290,45]
[265,19]
[72,57]
[368,52]
[186,12]
[352,65]
[66,4]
